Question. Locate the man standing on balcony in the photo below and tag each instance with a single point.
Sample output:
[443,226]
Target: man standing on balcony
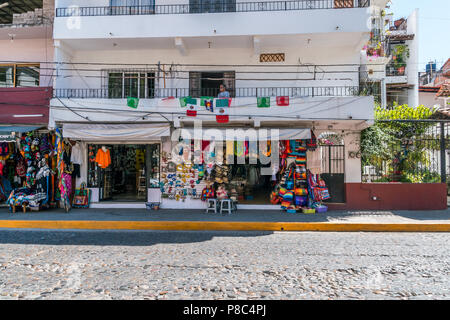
[223,92]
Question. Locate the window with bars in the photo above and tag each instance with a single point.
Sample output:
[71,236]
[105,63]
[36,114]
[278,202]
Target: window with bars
[205,6]
[123,7]
[131,84]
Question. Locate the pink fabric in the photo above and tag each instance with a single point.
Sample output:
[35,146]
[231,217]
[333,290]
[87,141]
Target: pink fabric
[68,182]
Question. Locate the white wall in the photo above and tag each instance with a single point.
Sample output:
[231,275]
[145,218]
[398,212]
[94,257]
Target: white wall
[214,24]
[92,79]
[413,61]
[32,51]
[428,99]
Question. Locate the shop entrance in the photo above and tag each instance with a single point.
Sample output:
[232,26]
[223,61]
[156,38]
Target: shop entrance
[251,186]
[133,168]
[333,171]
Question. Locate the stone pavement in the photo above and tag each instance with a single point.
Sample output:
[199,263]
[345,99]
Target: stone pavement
[360,217]
[113,264]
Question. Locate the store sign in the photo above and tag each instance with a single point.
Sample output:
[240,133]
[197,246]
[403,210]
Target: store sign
[6,137]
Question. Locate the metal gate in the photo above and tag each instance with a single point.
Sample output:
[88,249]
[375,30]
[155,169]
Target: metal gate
[333,171]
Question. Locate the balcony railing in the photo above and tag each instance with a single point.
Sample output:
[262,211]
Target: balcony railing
[342,91]
[396,71]
[225,6]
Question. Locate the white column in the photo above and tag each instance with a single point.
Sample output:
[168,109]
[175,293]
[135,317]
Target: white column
[352,164]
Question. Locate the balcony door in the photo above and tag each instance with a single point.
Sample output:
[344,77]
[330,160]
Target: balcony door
[205,6]
[127,7]
[206,84]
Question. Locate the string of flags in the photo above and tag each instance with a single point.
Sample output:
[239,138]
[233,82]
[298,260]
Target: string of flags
[218,106]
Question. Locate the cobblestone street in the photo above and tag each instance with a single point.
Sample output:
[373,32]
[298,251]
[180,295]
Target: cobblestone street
[223,265]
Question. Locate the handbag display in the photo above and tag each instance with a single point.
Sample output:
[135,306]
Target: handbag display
[82,197]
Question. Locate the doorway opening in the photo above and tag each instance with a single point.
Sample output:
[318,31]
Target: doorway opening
[133,169]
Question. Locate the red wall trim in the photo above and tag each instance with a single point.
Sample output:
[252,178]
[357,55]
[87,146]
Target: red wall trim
[25,101]
[394,196]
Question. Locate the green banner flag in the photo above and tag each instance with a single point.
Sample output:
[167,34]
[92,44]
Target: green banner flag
[264,102]
[133,102]
[183,101]
[204,99]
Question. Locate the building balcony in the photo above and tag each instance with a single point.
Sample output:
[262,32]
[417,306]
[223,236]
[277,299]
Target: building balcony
[396,74]
[228,18]
[293,92]
[326,110]
[211,7]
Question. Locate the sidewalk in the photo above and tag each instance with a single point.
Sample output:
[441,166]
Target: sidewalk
[139,219]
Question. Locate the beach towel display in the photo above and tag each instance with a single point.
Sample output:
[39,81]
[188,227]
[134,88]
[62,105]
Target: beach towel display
[299,190]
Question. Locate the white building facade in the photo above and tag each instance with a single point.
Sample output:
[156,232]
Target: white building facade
[307,52]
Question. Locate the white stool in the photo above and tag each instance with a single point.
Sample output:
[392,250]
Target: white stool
[229,206]
[212,205]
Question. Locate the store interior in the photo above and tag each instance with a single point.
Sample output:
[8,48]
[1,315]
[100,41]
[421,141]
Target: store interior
[125,178]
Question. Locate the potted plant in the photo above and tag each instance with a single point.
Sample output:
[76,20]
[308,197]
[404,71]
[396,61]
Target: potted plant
[399,56]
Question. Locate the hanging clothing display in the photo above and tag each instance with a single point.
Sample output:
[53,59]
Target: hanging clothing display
[28,177]
[103,158]
[77,156]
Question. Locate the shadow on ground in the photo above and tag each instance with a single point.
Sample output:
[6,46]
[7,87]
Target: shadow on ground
[115,237]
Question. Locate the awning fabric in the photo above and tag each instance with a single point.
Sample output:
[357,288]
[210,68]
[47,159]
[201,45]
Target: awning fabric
[7,130]
[242,134]
[12,128]
[116,132]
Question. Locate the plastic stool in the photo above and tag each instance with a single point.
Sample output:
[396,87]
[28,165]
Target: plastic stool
[229,207]
[234,205]
[212,202]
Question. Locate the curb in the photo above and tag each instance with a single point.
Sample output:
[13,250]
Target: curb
[224,226]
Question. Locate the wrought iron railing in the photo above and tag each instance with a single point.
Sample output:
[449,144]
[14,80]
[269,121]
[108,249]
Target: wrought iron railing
[115,93]
[393,70]
[212,7]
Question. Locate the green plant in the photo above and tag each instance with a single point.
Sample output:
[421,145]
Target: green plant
[400,54]
[394,143]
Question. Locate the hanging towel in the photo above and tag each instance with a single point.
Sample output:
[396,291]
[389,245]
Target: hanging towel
[314,161]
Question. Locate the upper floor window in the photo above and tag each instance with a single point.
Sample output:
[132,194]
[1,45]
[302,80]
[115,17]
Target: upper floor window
[131,84]
[205,6]
[208,83]
[19,75]
[125,7]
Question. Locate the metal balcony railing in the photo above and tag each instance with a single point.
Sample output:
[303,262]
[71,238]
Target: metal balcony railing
[113,93]
[212,7]
[396,71]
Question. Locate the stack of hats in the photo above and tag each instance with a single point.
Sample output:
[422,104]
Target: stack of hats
[221,174]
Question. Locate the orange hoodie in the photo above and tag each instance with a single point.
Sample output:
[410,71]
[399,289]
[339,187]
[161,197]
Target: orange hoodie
[103,158]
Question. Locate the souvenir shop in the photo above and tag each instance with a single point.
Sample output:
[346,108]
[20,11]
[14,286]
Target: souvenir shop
[119,163]
[28,168]
[294,184]
[123,172]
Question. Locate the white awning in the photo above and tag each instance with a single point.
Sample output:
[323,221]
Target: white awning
[116,132]
[242,134]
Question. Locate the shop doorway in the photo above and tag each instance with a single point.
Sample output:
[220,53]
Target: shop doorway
[251,186]
[333,171]
[133,169]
